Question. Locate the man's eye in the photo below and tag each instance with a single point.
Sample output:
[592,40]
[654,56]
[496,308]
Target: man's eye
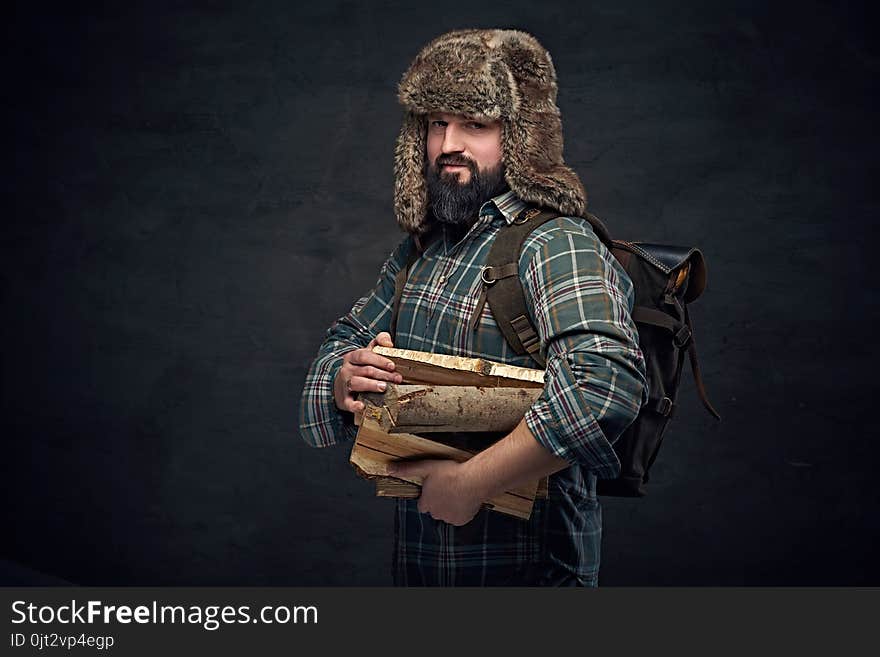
[438,124]
[476,126]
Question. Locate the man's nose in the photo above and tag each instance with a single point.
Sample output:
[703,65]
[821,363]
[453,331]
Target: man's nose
[452,141]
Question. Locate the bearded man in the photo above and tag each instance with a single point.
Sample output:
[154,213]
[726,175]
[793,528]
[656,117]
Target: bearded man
[481,142]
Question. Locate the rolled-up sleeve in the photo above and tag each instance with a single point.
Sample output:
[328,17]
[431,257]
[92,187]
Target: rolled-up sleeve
[595,381]
[321,423]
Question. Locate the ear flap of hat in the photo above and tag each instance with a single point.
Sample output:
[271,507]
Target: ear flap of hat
[533,177]
[532,140]
[410,193]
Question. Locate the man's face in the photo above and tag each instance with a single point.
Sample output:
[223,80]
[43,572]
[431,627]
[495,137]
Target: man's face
[463,168]
[455,140]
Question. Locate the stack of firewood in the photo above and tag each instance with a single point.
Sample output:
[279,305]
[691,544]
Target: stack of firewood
[441,401]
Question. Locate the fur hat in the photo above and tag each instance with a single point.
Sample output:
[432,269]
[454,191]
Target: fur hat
[488,74]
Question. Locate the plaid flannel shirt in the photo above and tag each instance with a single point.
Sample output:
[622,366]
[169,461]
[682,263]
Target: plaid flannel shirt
[581,300]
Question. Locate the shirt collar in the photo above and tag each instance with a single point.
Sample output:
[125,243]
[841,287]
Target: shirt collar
[506,205]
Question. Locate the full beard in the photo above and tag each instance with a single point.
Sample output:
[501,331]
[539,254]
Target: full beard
[455,203]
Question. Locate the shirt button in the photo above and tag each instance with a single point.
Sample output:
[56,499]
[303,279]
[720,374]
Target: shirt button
[442,280]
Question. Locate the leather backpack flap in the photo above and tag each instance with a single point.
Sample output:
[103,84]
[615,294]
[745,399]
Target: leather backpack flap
[670,258]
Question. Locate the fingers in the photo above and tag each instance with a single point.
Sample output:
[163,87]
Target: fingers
[384,339]
[364,384]
[352,405]
[364,371]
[370,372]
[410,468]
[367,357]
[368,379]
[416,470]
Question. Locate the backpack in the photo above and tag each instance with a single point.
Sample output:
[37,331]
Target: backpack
[665,280]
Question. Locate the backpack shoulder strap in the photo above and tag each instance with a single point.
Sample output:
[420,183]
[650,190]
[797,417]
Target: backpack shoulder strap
[501,284]
[502,288]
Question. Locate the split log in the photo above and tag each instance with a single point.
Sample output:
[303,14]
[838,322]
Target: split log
[442,369]
[433,409]
[391,487]
[374,449]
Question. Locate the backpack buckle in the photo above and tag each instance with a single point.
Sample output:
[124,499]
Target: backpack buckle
[526,215]
[664,407]
[483,276]
[682,337]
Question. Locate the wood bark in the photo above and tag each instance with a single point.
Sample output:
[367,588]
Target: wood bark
[431,409]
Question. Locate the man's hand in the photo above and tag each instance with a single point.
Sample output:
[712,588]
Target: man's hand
[448,493]
[363,371]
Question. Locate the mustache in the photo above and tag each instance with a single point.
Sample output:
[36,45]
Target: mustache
[454,159]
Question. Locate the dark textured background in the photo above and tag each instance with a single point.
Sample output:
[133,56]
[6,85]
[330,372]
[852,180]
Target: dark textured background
[196,191]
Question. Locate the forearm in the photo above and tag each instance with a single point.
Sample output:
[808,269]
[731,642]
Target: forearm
[322,423]
[516,459]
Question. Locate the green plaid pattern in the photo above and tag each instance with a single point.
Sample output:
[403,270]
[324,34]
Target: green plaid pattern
[581,300]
